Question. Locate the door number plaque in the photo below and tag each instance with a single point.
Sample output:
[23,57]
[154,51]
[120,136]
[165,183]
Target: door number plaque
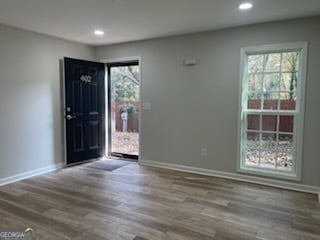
[86,78]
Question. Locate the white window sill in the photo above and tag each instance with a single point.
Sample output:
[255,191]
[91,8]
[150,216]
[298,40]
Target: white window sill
[270,173]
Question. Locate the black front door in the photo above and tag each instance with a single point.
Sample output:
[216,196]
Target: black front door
[84,110]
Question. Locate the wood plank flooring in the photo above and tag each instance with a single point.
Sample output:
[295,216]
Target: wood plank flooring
[143,203]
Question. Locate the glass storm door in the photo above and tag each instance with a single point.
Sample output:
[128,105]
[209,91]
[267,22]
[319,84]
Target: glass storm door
[124,107]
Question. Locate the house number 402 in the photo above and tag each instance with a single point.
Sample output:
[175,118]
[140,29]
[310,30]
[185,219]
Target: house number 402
[86,78]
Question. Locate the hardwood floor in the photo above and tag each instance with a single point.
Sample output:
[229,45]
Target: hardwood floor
[135,202]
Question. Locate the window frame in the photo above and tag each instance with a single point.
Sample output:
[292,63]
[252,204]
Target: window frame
[298,114]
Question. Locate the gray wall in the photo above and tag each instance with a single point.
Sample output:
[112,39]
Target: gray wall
[194,107]
[30,99]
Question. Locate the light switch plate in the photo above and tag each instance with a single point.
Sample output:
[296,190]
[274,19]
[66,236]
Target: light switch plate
[146,105]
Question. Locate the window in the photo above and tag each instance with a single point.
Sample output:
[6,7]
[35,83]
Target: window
[272,100]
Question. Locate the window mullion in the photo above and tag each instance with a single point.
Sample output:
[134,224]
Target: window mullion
[279,100]
[260,139]
[273,112]
[277,141]
[278,115]
[261,108]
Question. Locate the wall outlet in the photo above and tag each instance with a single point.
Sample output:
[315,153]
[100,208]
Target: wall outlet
[204,152]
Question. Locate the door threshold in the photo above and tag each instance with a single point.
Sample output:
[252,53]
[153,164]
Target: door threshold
[85,161]
[124,157]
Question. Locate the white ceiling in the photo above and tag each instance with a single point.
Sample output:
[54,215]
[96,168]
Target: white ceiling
[129,20]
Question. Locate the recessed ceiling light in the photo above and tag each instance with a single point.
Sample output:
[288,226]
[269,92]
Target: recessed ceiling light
[99,32]
[245,6]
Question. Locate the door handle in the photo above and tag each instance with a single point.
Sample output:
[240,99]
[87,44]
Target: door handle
[69,117]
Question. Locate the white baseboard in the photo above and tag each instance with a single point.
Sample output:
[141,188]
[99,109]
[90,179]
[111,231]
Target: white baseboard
[29,174]
[235,176]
